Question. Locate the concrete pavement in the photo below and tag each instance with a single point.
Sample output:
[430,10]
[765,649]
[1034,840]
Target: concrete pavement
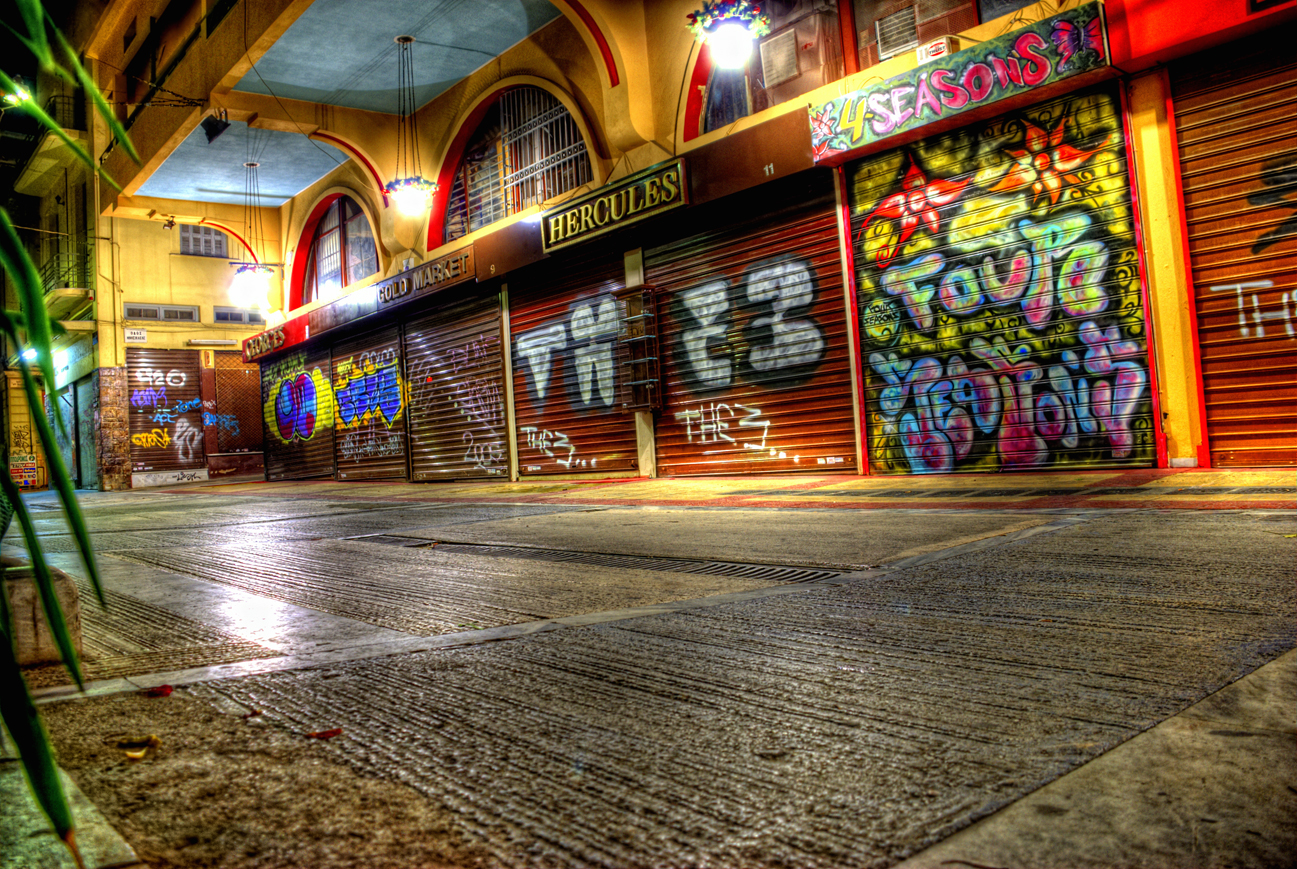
[674,673]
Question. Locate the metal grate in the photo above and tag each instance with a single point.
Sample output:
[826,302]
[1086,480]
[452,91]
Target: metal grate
[238,405]
[768,572]
[897,32]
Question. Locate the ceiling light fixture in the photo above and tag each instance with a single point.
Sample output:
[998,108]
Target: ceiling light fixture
[213,127]
[251,285]
[728,28]
[409,188]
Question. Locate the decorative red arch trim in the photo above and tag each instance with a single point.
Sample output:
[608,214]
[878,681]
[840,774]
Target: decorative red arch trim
[300,257]
[359,158]
[605,50]
[693,120]
[449,166]
[226,229]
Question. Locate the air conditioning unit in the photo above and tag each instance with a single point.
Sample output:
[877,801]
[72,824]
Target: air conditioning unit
[937,48]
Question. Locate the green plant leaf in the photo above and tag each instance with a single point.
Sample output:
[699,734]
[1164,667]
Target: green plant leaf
[44,582]
[34,15]
[101,104]
[62,481]
[31,294]
[33,743]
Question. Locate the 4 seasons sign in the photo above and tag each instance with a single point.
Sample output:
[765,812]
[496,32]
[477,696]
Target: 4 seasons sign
[1041,54]
[641,195]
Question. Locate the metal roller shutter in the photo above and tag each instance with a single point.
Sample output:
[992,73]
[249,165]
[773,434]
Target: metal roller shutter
[369,408]
[1001,311]
[166,422]
[754,340]
[566,362]
[1236,122]
[297,407]
[456,391]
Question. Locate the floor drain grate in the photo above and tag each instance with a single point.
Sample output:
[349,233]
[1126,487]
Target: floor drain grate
[767,572]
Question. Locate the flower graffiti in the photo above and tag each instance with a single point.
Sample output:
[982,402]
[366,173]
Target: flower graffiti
[999,297]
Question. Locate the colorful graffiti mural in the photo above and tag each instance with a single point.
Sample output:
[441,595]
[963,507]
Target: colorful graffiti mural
[166,416]
[300,401]
[1002,321]
[368,402]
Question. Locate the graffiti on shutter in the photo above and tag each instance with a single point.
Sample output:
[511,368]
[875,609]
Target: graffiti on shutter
[297,409]
[1001,313]
[369,408]
[166,420]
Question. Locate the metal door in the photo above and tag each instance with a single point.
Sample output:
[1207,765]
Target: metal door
[1001,310]
[369,408]
[754,337]
[1236,124]
[455,376]
[237,415]
[166,420]
[87,392]
[297,410]
[565,324]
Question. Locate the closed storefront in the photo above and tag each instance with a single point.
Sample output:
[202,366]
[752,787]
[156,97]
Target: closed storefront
[166,418]
[1236,126]
[297,411]
[369,408]
[237,416]
[565,323]
[1000,305]
[455,389]
[754,340]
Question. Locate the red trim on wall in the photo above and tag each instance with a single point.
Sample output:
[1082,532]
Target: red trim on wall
[449,166]
[299,257]
[693,122]
[358,157]
[856,360]
[1191,304]
[226,229]
[847,25]
[1154,378]
[605,50]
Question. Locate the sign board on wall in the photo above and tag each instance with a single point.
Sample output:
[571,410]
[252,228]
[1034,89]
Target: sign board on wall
[1019,63]
[634,198]
[137,336]
[23,469]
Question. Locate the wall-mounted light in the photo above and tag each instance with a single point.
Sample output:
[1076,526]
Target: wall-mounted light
[729,28]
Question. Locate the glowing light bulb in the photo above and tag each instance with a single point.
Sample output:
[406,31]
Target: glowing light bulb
[411,201]
[20,94]
[731,43]
[251,286]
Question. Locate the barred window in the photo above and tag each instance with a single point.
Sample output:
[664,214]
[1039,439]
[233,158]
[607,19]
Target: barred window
[202,241]
[342,251]
[528,149]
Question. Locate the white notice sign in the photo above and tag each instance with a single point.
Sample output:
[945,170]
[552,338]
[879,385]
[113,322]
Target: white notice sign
[137,336]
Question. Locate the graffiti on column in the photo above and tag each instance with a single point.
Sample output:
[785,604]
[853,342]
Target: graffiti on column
[368,400]
[1001,316]
[736,334]
[457,375]
[299,402]
[584,340]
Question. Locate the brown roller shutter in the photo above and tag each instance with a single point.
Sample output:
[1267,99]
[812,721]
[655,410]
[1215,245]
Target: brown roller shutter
[754,339]
[237,416]
[297,407]
[567,359]
[1236,122]
[455,374]
[369,408]
[166,410]
[1001,310]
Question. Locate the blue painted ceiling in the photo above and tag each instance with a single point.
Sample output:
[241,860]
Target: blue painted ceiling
[342,53]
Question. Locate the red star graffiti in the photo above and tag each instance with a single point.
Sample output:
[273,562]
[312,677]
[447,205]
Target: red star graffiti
[915,205]
[1046,164]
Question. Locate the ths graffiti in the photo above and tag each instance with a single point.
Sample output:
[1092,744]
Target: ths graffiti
[999,299]
[556,446]
[727,425]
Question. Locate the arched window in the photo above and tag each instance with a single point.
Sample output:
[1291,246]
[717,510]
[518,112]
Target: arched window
[342,251]
[526,150]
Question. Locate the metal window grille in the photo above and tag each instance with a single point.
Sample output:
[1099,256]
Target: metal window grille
[238,404]
[202,241]
[897,32]
[534,153]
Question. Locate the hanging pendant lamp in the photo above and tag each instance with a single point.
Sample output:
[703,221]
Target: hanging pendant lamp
[728,28]
[251,285]
[412,192]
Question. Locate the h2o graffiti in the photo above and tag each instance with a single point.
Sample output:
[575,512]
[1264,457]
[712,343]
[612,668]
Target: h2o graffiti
[755,329]
[1002,324]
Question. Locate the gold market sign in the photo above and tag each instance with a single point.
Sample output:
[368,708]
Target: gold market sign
[636,197]
[429,277]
